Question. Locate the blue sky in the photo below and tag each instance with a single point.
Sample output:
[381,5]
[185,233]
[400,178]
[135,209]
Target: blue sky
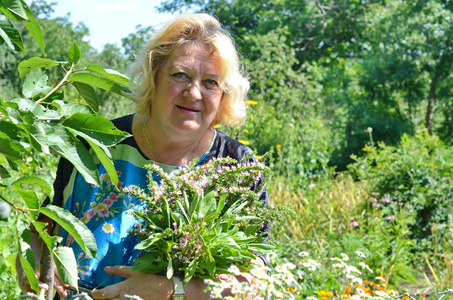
[110,20]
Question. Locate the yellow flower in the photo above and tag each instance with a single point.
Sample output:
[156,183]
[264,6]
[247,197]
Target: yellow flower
[251,102]
[279,147]
[244,142]
[345,296]
[218,126]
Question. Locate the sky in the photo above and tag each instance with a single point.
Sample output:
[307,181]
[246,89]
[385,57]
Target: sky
[110,20]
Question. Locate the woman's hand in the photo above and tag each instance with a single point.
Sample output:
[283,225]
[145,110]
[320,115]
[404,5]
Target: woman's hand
[59,287]
[144,285]
[24,285]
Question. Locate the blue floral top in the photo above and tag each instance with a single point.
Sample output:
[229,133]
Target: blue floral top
[107,212]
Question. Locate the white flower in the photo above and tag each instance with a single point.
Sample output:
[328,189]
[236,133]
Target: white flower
[290,266]
[234,270]
[381,293]
[216,293]
[359,253]
[271,255]
[312,298]
[365,266]
[311,264]
[357,280]
[350,269]
[303,254]
[344,256]
[380,278]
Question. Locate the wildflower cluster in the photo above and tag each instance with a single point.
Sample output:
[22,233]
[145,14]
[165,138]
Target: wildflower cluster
[199,220]
[268,283]
[293,281]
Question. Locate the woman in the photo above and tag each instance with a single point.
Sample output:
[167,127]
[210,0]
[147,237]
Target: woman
[186,80]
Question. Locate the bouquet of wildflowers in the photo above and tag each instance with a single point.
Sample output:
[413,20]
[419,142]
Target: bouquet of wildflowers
[201,219]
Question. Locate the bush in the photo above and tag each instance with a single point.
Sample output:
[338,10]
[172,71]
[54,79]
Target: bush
[417,174]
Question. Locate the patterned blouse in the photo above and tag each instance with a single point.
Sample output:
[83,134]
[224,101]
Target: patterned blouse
[107,212]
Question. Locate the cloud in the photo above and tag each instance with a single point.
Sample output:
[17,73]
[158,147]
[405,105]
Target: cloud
[113,7]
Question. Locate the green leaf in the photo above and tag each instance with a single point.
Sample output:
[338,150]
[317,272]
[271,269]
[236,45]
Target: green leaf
[10,35]
[66,265]
[88,94]
[33,63]
[82,235]
[110,74]
[105,158]
[144,262]
[166,212]
[9,149]
[43,182]
[35,84]
[207,204]
[96,127]
[74,53]
[170,269]
[38,135]
[15,7]
[68,146]
[34,28]
[71,108]
[50,241]
[29,270]
[97,81]
[4,173]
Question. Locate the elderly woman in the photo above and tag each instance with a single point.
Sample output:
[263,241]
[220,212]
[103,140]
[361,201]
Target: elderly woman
[186,80]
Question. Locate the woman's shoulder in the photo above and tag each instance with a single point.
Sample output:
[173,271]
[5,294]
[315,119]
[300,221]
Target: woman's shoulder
[124,123]
[225,146]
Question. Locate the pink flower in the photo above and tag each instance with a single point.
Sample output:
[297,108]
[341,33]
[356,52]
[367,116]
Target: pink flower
[376,205]
[90,213]
[346,203]
[373,199]
[353,223]
[108,202]
[385,200]
[389,218]
[113,197]
[376,218]
[103,213]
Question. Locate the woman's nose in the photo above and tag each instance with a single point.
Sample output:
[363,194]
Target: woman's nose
[193,91]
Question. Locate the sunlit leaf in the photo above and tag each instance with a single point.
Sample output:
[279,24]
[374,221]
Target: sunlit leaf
[35,62]
[15,7]
[66,265]
[82,235]
[74,53]
[110,74]
[35,84]
[88,94]
[97,127]
[97,81]
[34,28]
[10,35]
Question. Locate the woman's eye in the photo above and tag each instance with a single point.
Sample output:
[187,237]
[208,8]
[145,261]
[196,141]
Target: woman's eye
[211,84]
[179,76]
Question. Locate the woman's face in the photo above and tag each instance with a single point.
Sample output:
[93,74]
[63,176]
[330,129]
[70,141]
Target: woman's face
[188,93]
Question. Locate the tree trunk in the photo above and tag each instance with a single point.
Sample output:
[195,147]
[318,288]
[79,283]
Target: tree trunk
[431,100]
[47,270]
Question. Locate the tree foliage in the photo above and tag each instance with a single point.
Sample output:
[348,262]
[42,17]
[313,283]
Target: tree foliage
[42,121]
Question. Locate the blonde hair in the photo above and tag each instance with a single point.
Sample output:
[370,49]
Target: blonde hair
[200,29]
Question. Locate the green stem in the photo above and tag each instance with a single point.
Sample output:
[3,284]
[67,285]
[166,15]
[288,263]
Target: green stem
[60,84]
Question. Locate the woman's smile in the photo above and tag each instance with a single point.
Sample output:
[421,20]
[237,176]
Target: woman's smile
[188,92]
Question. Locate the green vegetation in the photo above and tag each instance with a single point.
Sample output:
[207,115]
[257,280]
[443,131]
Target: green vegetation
[353,98]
